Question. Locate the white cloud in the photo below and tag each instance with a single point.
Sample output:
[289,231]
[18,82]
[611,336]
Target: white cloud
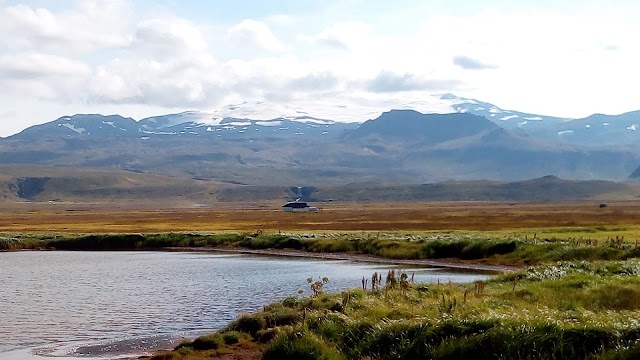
[169,38]
[36,65]
[544,58]
[41,76]
[105,55]
[470,63]
[92,25]
[178,82]
[387,81]
[254,33]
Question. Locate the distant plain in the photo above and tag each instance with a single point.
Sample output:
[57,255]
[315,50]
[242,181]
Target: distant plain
[584,218]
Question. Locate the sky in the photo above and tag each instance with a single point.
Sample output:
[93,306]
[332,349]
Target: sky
[140,58]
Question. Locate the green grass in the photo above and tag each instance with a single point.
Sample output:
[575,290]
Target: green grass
[492,247]
[248,323]
[208,342]
[234,337]
[13,243]
[301,346]
[580,300]
[565,310]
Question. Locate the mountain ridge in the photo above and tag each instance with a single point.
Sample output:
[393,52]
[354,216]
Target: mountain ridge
[400,145]
[75,187]
[617,129]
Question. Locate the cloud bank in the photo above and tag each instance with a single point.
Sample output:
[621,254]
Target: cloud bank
[116,54]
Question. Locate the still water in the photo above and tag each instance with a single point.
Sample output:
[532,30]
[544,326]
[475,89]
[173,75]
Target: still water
[110,304]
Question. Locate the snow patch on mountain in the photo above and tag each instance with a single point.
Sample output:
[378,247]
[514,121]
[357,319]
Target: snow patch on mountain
[264,113]
[355,109]
[73,128]
[195,117]
[269,123]
[256,110]
[239,123]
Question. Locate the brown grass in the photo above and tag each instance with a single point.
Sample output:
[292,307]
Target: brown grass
[476,216]
[245,350]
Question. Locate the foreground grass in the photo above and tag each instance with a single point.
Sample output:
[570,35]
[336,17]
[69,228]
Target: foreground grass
[569,310]
[581,299]
[509,248]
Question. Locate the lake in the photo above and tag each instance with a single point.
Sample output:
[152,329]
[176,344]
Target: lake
[111,304]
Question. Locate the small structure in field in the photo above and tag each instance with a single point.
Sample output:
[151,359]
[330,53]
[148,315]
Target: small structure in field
[298,206]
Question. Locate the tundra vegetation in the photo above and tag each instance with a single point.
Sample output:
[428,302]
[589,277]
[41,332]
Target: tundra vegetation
[576,295]
[565,310]
[500,247]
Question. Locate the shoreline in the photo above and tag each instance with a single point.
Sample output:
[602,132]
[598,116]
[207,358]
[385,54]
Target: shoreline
[448,263]
[452,264]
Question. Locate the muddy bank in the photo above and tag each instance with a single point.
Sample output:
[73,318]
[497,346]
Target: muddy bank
[449,263]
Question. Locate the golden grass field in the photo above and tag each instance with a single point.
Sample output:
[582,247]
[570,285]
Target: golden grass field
[623,218]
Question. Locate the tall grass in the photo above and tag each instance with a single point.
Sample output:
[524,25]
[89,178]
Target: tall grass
[567,310]
[12,243]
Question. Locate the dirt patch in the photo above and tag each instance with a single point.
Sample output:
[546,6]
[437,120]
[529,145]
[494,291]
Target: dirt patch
[245,350]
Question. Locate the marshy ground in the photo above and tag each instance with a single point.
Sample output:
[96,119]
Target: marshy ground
[569,310]
[478,216]
[575,293]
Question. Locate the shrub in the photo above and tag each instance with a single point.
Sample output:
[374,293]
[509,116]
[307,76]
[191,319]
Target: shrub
[101,242]
[186,351]
[233,337]
[266,335]
[207,342]
[300,346]
[617,297]
[248,323]
[290,302]
[436,249]
[485,248]
[625,353]
[283,316]
[183,345]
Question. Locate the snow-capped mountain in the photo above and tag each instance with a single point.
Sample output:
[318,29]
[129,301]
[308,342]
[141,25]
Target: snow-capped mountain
[186,124]
[597,129]
[257,119]
[83,125]
[247,119]
[508,119]
[237,144]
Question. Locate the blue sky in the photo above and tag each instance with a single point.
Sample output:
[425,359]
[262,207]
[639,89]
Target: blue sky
[147,57]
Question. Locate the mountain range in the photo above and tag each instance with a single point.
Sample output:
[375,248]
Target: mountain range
[90,188]
[441,138]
